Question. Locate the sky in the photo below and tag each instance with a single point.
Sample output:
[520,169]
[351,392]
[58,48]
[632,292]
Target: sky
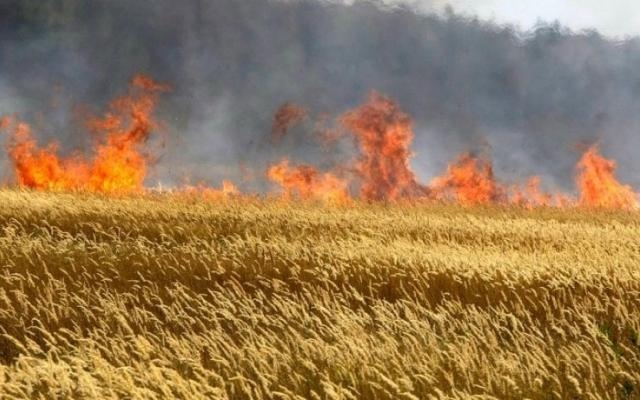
[616,18]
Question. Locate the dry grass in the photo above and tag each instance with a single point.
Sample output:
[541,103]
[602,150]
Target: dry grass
[168,298]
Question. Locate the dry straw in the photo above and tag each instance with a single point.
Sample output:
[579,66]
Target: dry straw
[161,297]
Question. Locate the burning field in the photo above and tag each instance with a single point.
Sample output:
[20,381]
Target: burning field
[358,281]
[379,170]
[266,199]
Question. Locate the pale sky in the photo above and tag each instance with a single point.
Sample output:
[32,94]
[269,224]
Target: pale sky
[618,18]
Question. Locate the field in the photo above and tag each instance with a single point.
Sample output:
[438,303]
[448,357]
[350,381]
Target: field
[166,297]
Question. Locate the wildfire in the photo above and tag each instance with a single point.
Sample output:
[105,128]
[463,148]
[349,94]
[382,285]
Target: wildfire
[118,164]
[598,185]
[306,183]
[285,118]
[532,196]
[201,191]
[40,168]
[384,135]
[469,180]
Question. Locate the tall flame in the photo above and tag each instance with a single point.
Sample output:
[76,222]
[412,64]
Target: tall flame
[598,184]
[40,168]
[469,180]
[384,135]
[118,165]
[306,183]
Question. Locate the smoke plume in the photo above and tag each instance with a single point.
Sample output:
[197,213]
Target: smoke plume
[526,97]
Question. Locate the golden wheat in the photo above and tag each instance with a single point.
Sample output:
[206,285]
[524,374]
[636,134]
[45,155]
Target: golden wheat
[167,297]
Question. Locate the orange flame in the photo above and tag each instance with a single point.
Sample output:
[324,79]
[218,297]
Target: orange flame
[228,190]
[40,168]
[598,185]
[468,181]
[306,183]
[384,135]
[118,164]
[531,195]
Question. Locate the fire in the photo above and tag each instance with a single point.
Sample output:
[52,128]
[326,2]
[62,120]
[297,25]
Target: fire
[306,183]
[468,181]
[381,169]
[201,191]
[598,185]
[229,188]
[531,195]
[40,168]
[285,118]
[384,135]
[118,164]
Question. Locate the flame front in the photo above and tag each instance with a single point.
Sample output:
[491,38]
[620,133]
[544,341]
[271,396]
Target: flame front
[306,183]
[384,135]
[469,180]
[598,184]
[531,195]
[118,164]
[40,168]
[201,191]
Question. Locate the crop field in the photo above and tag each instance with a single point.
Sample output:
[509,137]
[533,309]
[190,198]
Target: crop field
[160,296]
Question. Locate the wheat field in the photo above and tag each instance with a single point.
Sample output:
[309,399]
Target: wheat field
[163,296]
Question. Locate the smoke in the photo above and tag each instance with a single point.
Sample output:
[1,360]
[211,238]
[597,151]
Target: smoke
[527,98]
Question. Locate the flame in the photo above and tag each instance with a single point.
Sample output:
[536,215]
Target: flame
[468,181]
[229,188]
[598,185]
[384,135]
[285,118]
[40,168]
[201,191]
[306,183]
[118,164]
[531,195]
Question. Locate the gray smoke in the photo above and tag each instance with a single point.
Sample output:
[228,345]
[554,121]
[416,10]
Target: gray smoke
[529,96]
